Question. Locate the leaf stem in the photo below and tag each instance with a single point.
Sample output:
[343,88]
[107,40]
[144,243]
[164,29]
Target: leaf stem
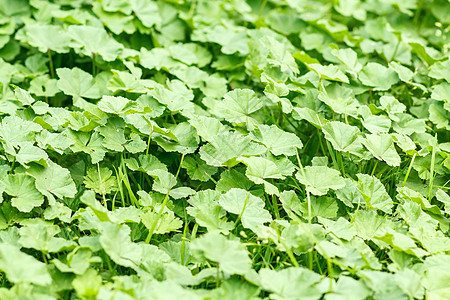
[163,205]
[50,61]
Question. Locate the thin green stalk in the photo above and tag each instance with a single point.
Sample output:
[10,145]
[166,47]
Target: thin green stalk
[433,158]
[101,184]
[409,170]
[333,156]
[290,254]
[243,209]
[275,206]
[374,168]
[148,142]
[183,240]
[50,61]
[93,64]
[163,205]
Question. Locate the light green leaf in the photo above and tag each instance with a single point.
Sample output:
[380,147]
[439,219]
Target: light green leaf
[291,283]
[187,139]
[76,262]
[329,72]
[115,105]
[382,147]
[207,211]
[374,193]
[378,76]
[145,163]
[22,188]
[29,153]
[440,70]
[161,224]
[41,236]
[339,98]
[22,268]
[53,180]
[237,106]
[277,140]
[197,169]
[320,179]
[115,240]
[404,73]
[45,37]
[377,124]
[77,83]
[100,180]
[230,255]
[259,168]
[226,147]
[343,137]
[249,207]
[90,40]
[325,207]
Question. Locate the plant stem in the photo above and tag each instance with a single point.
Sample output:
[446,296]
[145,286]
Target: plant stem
[50,61]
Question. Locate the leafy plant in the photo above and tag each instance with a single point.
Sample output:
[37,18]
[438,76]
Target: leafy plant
[237,149]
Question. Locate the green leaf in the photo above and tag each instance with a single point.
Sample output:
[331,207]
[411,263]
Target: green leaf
[247,206]
[88,284]
[377,124]
[374,193]
[23,190]
[115,105]
[230,255]
[329,72]
[162,224]
[378,76]
[237,106]
[325,207]
[339,98]
[343,137]
[41,236]
[320,179]
[14,131]
[145,163]
[197,169]
[259,168]
[22,268]
[207,211]
[228,146]
[77,83]
[29,153]
[76,262]
[187,139]
[278,141]
[115,240]
[382,147]
[53,180]
[403,73]
[90,40]
[291,283]
[440,70]
[100,180]
[45,37]
[190,54]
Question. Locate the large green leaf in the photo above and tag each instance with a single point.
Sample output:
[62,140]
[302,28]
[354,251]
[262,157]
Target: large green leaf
[250,208]
[230,255]
[320,179]
[22,268]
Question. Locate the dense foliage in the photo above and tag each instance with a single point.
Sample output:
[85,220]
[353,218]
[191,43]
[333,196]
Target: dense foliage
[235,149]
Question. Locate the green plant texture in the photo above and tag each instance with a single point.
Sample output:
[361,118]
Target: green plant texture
[232,149]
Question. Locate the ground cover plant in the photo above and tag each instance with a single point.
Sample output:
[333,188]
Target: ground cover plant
[235,149]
